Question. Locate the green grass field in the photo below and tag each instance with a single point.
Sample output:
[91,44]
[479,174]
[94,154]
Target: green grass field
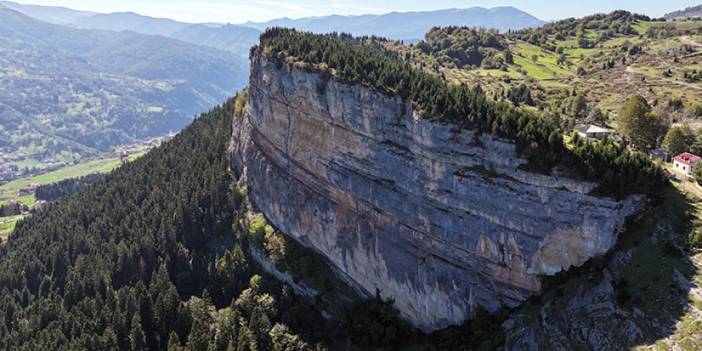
[7,225]
[544,67]
[10,190]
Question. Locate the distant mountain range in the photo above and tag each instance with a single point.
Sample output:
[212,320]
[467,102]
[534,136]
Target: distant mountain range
[68,92]
[120,21]
[75,83]
[229,37]
[410,25]
[51,14]
[234,38]
[690,12]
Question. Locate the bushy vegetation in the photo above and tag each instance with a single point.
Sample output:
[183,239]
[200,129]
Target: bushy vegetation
[12,208]
[640,125]
[618,171]
[520,94]
[483,332]
[66,187]
[608,25]
[365,61]
[669,30]
[464,47]
[679,140]
[375,323]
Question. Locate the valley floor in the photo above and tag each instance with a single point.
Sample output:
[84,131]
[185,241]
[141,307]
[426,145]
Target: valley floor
[12,190]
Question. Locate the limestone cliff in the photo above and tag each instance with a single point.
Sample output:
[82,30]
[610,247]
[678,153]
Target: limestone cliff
[438,218]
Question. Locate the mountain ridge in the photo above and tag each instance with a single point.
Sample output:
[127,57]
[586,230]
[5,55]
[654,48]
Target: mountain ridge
[689,12]
[51,14]
[411,26]
[238,38]
[74,92]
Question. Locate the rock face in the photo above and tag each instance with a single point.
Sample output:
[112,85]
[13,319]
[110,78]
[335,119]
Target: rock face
[438,218]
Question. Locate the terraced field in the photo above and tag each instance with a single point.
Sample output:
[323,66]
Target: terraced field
[657,72]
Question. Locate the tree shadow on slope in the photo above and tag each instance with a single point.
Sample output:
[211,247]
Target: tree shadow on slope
[635,296]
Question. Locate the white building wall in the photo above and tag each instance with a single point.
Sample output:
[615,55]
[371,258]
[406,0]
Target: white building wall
[682,168]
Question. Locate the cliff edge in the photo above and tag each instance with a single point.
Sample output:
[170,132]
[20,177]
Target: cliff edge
[439,218]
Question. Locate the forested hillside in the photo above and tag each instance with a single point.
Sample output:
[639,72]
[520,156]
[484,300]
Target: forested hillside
[157,255]
[577,70]
[68,93]
[141,259]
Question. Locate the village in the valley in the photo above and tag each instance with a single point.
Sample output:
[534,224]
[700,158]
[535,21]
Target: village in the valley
[18,187]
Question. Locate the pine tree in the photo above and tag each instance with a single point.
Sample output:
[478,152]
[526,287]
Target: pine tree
[173,342]
[137,339]
[246,340]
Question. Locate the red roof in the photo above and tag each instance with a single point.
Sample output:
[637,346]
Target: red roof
[687,158]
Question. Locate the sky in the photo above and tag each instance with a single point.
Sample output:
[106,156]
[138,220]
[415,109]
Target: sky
[238,11]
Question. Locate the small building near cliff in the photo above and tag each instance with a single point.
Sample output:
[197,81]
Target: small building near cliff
[593,132]
[659,154]
[29,190]
[684,163]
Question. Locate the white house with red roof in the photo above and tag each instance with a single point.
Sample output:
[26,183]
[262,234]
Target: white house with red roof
[684,162]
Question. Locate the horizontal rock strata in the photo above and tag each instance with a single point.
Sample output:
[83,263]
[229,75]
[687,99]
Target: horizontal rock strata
[438,218]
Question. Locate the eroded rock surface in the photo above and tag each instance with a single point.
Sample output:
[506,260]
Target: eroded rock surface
[438,218]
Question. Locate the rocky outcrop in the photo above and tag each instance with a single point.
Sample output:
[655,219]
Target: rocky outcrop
[438,218]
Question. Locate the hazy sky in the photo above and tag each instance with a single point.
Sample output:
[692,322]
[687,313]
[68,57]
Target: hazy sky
[235,11]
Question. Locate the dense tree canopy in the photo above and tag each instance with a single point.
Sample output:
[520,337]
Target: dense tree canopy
[679,140]
[464,46]
[639,124]
[148,257]
[59,190]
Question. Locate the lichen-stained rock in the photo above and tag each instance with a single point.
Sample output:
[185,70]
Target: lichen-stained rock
[438,218]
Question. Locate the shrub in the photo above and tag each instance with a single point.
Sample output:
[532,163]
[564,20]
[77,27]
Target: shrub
[375,323]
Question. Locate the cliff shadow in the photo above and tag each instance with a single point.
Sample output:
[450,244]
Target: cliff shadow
[642,293]
[655,267]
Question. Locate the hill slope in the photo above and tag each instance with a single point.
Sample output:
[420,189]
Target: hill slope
[68,93]
[51,14]
[690,12]
[125,263]
[577,69]
[410,25]
[119,21]
[237,39]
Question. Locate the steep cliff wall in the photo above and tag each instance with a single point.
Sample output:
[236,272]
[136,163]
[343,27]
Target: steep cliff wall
[438,218]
